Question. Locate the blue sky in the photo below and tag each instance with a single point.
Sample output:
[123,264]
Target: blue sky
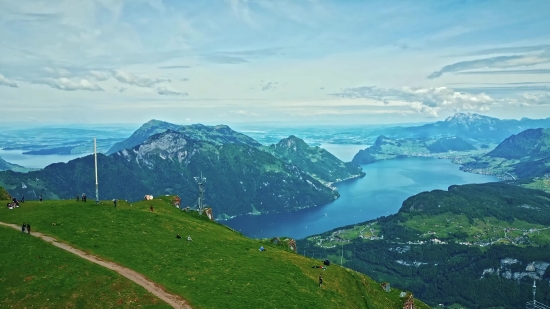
[301,61]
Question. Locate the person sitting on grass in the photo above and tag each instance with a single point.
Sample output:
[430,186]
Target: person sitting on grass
[178,236]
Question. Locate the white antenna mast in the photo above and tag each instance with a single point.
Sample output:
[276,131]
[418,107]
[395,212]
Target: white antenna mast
[96,188]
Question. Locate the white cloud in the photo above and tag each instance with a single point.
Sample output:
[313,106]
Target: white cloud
[500,62]
[140,81]
[165,91]
[57,72]
[100,76]
[428,101]
[69,84]
[7,82]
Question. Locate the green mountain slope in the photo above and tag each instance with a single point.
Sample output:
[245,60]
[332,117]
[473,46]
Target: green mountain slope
[35,274]
[390,148]
[240,179]
[218,269]
[524,155]
[316,161]
[493,238]
[4,195]
[218,135]
[7,166]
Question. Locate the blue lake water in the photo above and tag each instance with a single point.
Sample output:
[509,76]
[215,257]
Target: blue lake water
[35,161]
[380,193]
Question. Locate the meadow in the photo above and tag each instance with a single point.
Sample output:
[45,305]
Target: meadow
[220,268]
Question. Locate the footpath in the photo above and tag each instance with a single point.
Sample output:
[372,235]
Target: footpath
[171,299]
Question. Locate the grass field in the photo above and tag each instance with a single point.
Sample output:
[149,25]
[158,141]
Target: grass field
[218,269]
[445,225]
[34,273]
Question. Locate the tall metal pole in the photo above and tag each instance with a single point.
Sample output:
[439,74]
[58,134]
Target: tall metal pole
[534,291]
[96,187]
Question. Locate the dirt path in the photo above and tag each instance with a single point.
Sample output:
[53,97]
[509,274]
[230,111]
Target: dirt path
[173,300]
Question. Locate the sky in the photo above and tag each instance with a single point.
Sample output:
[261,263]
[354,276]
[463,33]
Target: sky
[308,62]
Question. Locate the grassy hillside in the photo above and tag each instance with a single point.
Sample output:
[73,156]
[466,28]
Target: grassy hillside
[218,269]
[37,274]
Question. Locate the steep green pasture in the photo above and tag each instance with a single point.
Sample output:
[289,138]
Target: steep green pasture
[36,274]
[218,269]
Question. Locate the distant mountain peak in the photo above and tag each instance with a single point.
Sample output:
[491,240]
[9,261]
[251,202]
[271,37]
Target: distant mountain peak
[292,142]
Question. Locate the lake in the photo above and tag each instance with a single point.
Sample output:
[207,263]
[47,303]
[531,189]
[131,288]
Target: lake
[35,161]
[380,193]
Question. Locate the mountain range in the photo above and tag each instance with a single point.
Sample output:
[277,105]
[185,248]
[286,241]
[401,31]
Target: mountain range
[471,127]
[242,176]
[5,166]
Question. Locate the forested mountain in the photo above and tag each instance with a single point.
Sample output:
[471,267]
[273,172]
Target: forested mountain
[316,161]
[389,148]
[240,178]
[524,155]
[477,245]
[218,135]
[5,166]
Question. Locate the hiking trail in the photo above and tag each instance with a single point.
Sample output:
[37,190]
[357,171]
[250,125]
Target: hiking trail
[173,300]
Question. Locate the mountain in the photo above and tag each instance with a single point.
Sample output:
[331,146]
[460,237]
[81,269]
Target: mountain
[241,179]
[524,155]
[218,135]
[467,126]
[219,268]
[7,166]
[493,238]
[319,163]
[389,148]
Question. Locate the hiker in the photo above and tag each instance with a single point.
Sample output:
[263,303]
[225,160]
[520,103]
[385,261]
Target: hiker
[40,196]
[178,236]
[189,238]
[320,280]
[151,209]
[28,228]
[77,198]
[114,201]
[23,227]
[23,199]
[84,197]
[15,201]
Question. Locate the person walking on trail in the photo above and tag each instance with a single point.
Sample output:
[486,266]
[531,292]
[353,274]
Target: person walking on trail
[320,280]
[114,201]
[28,228]
[22,199]
[40,196]
[23,227]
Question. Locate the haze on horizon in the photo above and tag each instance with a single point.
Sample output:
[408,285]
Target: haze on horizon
[253,61]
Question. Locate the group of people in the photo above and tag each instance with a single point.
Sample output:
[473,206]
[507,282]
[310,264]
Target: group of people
[26,226]
[83,197]
[15,203]
[188,237]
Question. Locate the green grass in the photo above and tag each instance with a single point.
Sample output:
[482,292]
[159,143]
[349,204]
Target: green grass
[34,273]
[218,269]
[446,224]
